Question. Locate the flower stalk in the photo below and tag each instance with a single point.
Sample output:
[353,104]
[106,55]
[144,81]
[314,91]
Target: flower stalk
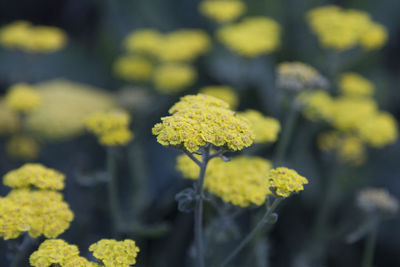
[113,188]
[368,257]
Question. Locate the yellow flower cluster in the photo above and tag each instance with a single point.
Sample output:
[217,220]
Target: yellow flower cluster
[283,181]
[174,77]
[377,200]
[22,97]
[222,92]
[110,127]
[353,84]
[58,252]
[317,104]
[297,76]
[222,11]
[24,36]
[64,109]
[251,37]
[22,147]
[181,45]
[265,129]
[348,148]
[241,181]
[133,68]
[197,120]
[9,122]
[115,253]
[341,29]
[33,205]
[36,175]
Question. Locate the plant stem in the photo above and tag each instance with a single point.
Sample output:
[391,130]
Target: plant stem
[21,257]
[247,239]
[113,189]
[198,213]
[368,257]
[286,134]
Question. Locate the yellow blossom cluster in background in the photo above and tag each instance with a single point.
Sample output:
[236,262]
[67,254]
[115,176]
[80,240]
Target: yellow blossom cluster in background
[111,127]
[22,35]
[241,181]
[251,37]
[174,77]
[222,92]
[377,200]
[34,205]
[342,29]
[222,11]
[197,120]
[283,181]
[353,84]
[265,129]
[115,253]
[23,147]
[133,68]
[297,76]
[22,97]
[9,121]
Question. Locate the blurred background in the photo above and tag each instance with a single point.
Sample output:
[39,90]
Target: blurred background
[148,179]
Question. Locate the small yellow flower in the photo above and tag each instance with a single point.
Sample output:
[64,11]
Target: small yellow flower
[22,97]
[133,68]
[222,92]
[115,253]
[147,41]
[173,78]
[353,84]
[22,147]
[265,129]
[318,105]
[284,181]
[222,11]
[375,37]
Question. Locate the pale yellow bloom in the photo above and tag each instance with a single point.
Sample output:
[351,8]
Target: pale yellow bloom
[173,77]
[222,92]
[353,84]
[22,97]
[265,129]
[133,68]
[222,11]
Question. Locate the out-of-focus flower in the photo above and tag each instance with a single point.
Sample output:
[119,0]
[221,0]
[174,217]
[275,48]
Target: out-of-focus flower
[222,92]
[251,37]
[115,253]
[22,97]
[112,127]
[24,36]
[379,129]
[197,120]
[377,200]
[23,147]
[342,29]
[348,148]
[317,105]
[265,129]
[284,181]
[133,68]
[65,105]
[58,252]
[297,76]
[9,122]
[134,99]
[353,84]
[173,77]
[147,41]
[35,175]
[241,181]
[222,11]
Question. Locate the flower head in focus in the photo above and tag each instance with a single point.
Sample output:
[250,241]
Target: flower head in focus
[198,120]
[377,200]
[297,76]
[22,97]
[222,11]
[353,84]
[265,129]
[22,147]
[222,92]
[173,78]
[115,253]
[284,181]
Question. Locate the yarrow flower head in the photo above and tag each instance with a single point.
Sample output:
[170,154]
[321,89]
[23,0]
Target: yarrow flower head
[241,181]
[297,76]
[284,181]
[377,200]
[22,98]
[110,127]
[34,175]
[115,253]
[353,84]
[318,104]
[222,11]
[222,92]
[251,37]
[133,68]
[198,120]
[173,77]
[265,129]
[24,36]
[22,147]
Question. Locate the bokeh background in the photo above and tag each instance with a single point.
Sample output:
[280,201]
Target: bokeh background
[149,181]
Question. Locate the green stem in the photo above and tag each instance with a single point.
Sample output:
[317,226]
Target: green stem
[286,134]
[24,250]
[113,189]
[248,238]
[198,214]
[368,257]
